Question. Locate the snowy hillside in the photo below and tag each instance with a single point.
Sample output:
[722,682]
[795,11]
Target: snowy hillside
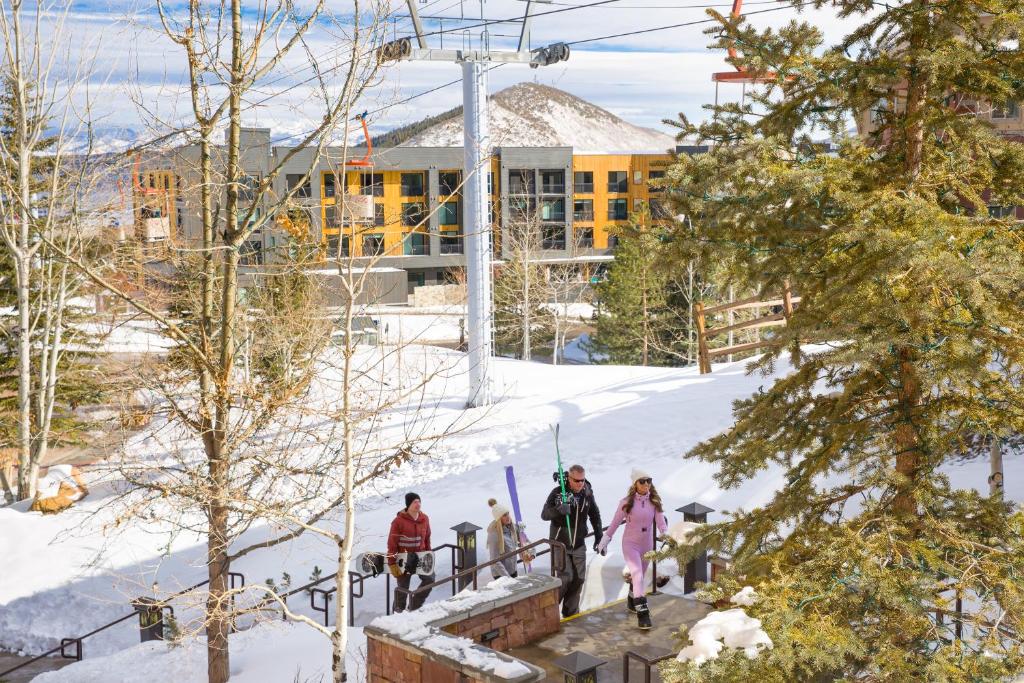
[533,115]
[612,418]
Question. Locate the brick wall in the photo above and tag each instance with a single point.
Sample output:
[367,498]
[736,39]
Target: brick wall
[521,616]
[519,623]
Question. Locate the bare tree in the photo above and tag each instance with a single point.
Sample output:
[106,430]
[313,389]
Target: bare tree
[41,190]
[521,286]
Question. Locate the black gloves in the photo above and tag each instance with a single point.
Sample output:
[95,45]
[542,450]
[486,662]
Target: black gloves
[564,508]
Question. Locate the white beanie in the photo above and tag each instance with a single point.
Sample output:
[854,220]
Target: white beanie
[638,473]
[497,509]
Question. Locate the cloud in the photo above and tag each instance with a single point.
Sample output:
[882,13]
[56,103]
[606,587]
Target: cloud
[642,78]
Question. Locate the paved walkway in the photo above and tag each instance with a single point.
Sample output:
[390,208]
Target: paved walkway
[609,631]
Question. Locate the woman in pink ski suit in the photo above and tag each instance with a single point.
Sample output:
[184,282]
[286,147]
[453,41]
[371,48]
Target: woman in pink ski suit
[641,509]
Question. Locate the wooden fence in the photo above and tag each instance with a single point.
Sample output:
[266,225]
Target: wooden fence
[705,354]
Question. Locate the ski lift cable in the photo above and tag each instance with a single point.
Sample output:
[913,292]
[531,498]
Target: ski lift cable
[666,28]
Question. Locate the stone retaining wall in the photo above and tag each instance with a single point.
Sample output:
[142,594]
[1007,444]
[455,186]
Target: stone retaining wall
[442,642]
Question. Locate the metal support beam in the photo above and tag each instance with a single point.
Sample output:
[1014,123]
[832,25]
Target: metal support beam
[476,166]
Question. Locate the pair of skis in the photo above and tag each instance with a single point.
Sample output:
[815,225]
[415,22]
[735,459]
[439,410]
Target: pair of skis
[513,493]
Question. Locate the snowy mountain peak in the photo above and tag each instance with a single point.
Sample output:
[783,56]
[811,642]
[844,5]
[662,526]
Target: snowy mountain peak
[534,115]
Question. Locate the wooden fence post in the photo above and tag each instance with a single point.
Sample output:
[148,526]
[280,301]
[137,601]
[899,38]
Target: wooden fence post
[703,362]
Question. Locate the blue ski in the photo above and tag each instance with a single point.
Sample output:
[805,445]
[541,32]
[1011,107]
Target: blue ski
[513,494]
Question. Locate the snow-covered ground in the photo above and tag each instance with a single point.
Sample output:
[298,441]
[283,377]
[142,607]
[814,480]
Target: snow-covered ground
[611,418]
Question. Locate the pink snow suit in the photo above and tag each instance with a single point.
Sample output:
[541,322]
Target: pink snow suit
[638,538]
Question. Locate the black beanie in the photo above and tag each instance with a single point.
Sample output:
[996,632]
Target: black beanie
[409,498]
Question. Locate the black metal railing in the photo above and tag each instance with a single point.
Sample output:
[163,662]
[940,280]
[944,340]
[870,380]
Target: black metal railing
[557,565]
[77,640]
[355,579]
[583,188]
[583,215]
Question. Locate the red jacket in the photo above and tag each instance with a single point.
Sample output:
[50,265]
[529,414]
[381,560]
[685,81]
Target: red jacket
[408,535]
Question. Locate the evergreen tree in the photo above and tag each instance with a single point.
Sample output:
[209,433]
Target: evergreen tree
[642,318]
[914,293]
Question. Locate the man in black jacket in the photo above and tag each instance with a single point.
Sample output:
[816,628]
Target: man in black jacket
[579,505]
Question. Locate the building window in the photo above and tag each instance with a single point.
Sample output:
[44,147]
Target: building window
[299,183]
[1008,110]
[332,216]
[583,209]
[412,185]
[638,203]
[613,241]
[328,184]
[247,185]
[552,182]
[584,238]
[251,253]
[654,176]
[373,245]
[552,210]
[521,208]
[378,214]
[490,183]
[995,211]
[638,177]
[552,237]
[618,181]
[416,244]
[371,184]
[449,182]
[583,182]
[413,213]
[332,246]
[521,181]
[451,242]
[449,213]
[617,210]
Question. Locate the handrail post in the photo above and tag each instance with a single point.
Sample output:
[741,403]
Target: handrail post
[697,568]
[654,561]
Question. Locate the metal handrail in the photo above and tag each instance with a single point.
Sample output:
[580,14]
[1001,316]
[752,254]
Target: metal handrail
[355,578]
[647,662]
[77,641]
[475,570]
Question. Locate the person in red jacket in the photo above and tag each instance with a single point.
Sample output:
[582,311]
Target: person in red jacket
[410,533]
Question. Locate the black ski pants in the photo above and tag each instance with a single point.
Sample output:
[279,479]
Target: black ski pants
[417,599]
[573,576]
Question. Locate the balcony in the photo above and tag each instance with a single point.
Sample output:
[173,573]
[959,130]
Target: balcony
[585,240]
[552,188]
[553,242]
[583,188]
[451,245]
[584,216]
[416,244]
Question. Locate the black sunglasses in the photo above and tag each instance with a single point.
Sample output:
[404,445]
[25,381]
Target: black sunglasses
[647,480]
[578,481]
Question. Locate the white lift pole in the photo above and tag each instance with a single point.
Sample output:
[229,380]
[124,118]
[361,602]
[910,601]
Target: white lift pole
[477,229]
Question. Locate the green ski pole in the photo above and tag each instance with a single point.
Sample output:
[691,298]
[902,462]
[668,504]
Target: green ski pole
[561,480]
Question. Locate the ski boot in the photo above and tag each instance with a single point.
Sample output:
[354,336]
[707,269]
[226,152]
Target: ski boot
[630,603]
[643,614]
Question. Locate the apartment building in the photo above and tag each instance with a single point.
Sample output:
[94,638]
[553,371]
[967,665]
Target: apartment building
[406,207]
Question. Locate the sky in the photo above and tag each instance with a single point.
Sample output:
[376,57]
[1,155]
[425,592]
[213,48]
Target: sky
[138,75]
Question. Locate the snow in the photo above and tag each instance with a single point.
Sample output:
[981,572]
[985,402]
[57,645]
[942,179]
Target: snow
[727,628]
[256,657]
[745,597]
[67,574]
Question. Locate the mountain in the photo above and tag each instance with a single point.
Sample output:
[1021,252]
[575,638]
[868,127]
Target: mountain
[534,115]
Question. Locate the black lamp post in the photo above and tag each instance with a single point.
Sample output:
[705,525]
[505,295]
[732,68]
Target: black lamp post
[579,667]
[697,569]
[465,538]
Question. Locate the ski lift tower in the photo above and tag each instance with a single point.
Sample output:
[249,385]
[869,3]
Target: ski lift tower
[476,58]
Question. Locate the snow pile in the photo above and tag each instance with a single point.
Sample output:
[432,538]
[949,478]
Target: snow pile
[415,628]
[745,598]
[729,628]
[680,531]
[49,485]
